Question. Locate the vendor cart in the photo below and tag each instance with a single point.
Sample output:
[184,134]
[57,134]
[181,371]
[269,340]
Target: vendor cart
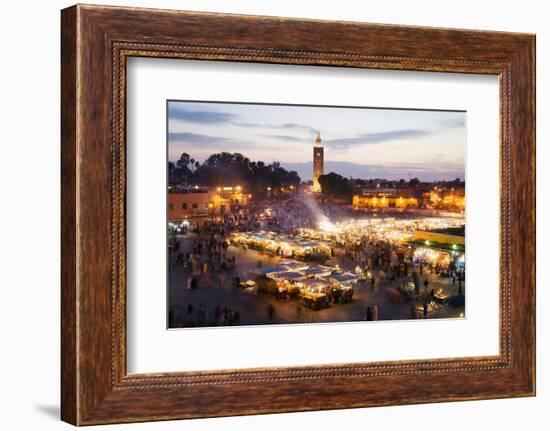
[313,293]
[315,301]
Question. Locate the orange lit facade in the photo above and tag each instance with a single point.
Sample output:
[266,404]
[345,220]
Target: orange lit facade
[451,199]
[383,201]
[201,204]
[193,206]
[233,195]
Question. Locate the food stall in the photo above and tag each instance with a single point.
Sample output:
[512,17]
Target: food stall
[313,293]
[293,265]
[286,283]
[265,272]
[342,286]
[282,245]
[317,271]
[432,257]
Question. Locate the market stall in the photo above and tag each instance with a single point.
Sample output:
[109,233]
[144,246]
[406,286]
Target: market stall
[318,271]
[342,286]
[287,283]
[283,245]
[313,293]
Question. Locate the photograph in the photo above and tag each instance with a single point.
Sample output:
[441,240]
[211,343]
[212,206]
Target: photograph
[293,214]
[275,215]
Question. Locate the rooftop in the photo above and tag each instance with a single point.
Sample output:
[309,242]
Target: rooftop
[456,231]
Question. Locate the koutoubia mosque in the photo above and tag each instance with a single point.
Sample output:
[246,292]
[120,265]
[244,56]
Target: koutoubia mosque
[318,163]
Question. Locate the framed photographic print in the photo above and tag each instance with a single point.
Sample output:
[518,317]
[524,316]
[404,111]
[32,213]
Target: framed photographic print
[280,242]
[322,214]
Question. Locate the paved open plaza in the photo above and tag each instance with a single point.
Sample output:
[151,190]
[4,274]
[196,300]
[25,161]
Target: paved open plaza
[224,275]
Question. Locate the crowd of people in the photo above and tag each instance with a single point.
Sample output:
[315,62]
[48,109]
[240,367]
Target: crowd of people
[208,251]
[206,260]
[189,316]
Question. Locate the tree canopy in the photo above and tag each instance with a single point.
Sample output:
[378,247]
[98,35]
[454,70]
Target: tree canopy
[336,186]
[231,169]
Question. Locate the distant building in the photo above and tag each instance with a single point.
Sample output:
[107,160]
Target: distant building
[318,163]
[199,204]
[446,198]
[231,196]
[385,198]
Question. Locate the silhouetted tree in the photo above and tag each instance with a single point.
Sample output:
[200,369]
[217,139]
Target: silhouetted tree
[336,186]
[413,182]
[235,169]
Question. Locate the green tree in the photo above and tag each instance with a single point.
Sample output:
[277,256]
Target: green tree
[235,169]
[336,186]
[413,182]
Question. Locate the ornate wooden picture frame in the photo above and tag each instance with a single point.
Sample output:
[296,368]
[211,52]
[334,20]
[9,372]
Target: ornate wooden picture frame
[96,41]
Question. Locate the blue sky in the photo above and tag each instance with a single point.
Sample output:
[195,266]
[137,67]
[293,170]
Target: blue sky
[365,142]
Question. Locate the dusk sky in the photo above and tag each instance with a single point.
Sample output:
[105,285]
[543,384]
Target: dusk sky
[363,143]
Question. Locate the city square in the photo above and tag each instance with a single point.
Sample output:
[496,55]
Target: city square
[253,243]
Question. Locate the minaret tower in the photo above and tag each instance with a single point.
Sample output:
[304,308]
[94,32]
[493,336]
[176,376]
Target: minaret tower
[318,163]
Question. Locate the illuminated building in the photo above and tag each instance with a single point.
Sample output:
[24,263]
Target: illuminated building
[318,163]
[447,199]
[385,198]
[201,204]
[230,195]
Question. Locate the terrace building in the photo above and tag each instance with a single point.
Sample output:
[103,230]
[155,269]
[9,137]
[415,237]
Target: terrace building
[446,198]
[199,204]
[380,199]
